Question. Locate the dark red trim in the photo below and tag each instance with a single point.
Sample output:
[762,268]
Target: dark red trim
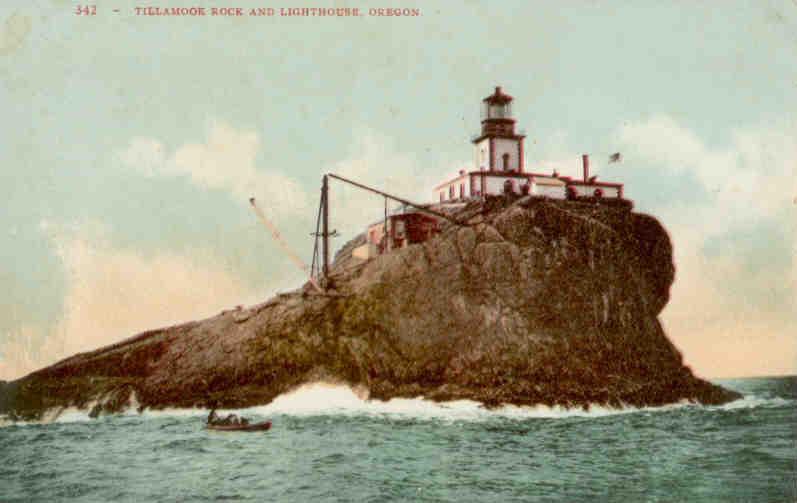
[453,180]
[503,127]
[498,97]
[492,153]
[497,135]
[512,174]
[509,174]
[593,184]
[500,120]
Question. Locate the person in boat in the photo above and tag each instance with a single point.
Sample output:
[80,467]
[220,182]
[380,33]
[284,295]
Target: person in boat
[230,420]
[237,421]
[213,418]
[233,420]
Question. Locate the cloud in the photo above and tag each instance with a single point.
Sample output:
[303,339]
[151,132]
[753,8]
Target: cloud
[728,317]
[113,293]
[225,161]
[755,176]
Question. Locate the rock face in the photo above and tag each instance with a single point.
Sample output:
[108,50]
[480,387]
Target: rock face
[531,302]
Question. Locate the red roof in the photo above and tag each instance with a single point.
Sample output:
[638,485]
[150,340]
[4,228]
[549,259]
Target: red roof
[498,97]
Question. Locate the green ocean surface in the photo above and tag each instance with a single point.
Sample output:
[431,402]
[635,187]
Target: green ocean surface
[327,444]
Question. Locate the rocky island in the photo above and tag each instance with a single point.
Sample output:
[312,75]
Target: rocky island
[529,301]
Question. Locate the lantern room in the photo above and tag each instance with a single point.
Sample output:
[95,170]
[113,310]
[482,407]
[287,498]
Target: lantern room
[497,106]
[498,148]
[497,114]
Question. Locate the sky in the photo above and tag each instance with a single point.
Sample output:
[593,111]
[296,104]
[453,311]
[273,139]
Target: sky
[129,146]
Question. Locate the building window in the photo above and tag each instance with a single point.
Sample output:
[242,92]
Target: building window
[441,196]
[505,158]
[451,191]
[462,191]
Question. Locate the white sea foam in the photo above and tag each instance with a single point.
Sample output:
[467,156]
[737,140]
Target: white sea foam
[56,415]
[75,415]
[753,401]
[335,399]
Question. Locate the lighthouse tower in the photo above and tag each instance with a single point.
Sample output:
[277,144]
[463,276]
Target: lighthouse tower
[498,147]
[499,161]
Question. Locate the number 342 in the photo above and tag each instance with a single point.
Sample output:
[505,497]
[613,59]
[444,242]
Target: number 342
[86,10]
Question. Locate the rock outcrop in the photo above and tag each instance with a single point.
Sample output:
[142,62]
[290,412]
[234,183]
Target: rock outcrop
[533,301]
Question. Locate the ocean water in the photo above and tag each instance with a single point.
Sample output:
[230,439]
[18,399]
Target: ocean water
[327,444]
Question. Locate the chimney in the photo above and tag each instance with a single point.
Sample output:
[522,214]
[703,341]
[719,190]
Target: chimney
[585,162]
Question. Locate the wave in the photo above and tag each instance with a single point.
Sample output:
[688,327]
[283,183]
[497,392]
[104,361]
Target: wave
[335,399]
[331,399]
[321,399]
[75,415]
[753,401]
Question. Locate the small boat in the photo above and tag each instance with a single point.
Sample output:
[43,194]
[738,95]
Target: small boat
[264,426]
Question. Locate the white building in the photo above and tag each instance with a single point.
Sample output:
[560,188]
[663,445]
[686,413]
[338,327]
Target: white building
[500,159]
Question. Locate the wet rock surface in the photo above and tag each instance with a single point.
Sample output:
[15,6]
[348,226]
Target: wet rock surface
[531,301]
